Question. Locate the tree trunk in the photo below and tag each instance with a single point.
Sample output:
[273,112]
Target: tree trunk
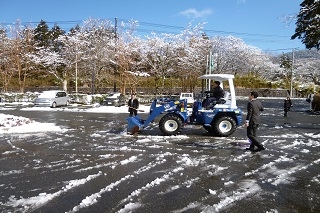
[65,85]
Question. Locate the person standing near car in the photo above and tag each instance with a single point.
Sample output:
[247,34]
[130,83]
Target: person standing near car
[254,108]
[133,105]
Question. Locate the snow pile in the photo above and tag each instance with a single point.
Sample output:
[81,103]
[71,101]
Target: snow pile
[13,121]
[18,124]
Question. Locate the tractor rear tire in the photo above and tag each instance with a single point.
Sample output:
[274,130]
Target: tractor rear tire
[223,126]
[170,124]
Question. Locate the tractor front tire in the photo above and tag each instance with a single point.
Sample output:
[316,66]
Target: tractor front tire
[223,126]
[170,124]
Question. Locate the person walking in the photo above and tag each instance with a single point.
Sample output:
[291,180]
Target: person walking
[133,105]
[287,106]
[254,108]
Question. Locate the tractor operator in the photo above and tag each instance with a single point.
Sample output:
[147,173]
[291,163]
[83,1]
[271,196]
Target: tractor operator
[213,95]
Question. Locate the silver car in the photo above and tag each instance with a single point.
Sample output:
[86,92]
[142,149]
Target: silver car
[115,99]
[52,98]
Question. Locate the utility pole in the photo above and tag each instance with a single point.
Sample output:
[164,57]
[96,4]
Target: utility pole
[210,68]
[77,69]
[92,78]
[291,81]
[115,55]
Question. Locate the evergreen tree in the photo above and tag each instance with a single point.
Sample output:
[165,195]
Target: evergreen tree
[308,24]
[75,29]
[285,62]
[42,34]
[55,32]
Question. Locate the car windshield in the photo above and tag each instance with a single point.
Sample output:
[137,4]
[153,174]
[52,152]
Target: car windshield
[113,95]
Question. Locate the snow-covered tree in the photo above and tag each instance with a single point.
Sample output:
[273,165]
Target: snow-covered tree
[21,45]
[308,24]
[235,57]
[6,60]
[192,48]
[73,48]
[100,51]
[129,64]
[49,60]
[158,57]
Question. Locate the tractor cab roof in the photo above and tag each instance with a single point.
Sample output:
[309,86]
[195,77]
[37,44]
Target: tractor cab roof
[217,77]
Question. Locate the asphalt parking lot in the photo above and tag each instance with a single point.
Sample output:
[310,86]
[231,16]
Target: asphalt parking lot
[94,166]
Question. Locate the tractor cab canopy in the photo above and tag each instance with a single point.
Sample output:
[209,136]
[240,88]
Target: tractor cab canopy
[222,78]
[217,77]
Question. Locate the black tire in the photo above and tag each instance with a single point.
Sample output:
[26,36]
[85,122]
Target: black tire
[223,126]
[54,105]
[170,124]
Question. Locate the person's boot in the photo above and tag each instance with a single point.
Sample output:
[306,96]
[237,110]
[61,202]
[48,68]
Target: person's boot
[251,148]
[260,148]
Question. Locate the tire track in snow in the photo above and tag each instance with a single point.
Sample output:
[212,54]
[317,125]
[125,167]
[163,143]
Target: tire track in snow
[93,198]
[33,203]
[183,163]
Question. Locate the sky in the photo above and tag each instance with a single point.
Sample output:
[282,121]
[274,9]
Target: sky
[259,23]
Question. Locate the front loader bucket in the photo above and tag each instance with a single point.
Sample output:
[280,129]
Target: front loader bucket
[134,124]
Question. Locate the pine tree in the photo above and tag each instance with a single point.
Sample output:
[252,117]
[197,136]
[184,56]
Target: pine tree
[55,32]
[308,24]
[42,34]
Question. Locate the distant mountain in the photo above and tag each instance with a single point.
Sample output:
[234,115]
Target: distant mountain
[299,55]
[305,54]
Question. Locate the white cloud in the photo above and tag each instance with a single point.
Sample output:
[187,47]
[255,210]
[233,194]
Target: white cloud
[241,1]
[193,13]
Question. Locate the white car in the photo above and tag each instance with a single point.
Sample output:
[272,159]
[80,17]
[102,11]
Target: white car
[52,98]
[188,96]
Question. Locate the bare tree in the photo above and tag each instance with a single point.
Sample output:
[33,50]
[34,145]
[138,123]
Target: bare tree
[6,60]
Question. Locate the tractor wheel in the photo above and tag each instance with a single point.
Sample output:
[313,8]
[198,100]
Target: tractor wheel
[170,124]
[223,126]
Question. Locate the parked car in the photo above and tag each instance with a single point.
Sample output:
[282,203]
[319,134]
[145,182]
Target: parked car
[188,96]
[164,100]
[52,98]
[115,99]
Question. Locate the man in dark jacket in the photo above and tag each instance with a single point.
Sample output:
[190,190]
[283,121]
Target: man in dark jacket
[133,105]
[287,106]
[254,108]
[213,95]
[217,91]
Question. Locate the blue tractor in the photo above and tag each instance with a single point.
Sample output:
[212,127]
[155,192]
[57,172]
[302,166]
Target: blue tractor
[220,117]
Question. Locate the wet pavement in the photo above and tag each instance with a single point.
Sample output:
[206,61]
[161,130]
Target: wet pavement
[94,166]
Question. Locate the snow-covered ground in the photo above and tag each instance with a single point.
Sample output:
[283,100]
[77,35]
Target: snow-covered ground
[18,124]
[94,166]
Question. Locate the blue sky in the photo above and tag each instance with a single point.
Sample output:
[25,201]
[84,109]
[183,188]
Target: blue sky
[258,22]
